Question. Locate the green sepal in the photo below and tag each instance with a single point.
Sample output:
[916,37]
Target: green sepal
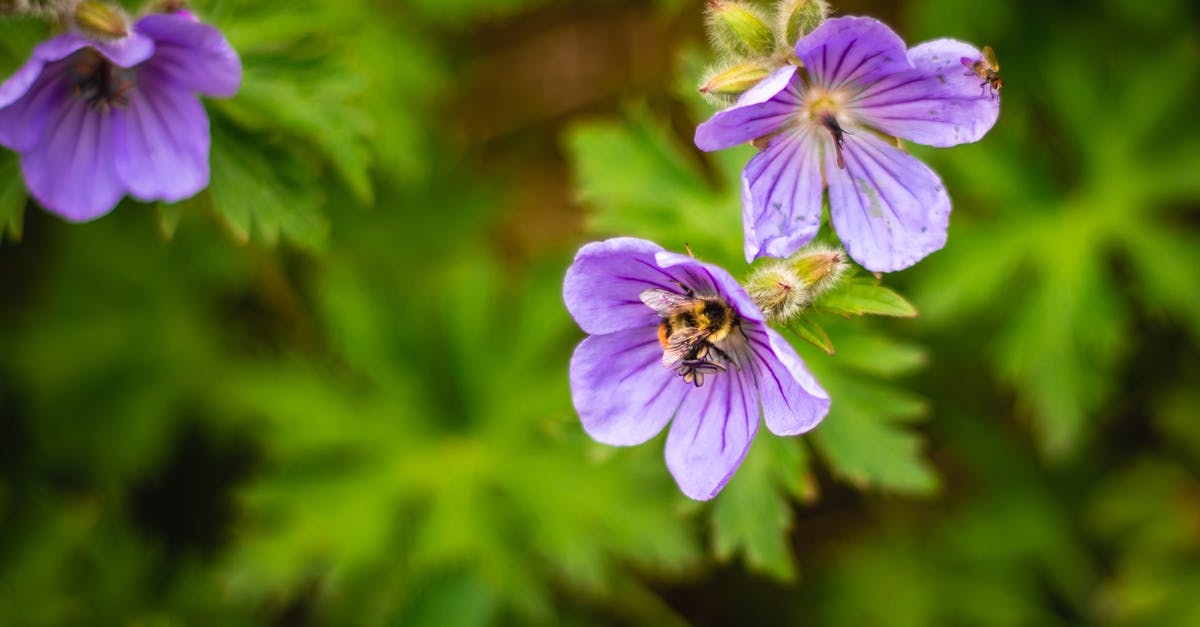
[169,216]
[13,199]
[808,330]
[735,80]
[801,18]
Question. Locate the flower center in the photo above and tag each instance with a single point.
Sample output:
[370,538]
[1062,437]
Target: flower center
[828,109]
[100,82]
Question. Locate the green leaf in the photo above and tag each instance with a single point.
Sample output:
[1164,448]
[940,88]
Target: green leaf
[12,199]
[637,180]
[808,330]
[870,452]
[255,194]
[880,355]
[313,110]
[865,439]
[169,215]
[751,518]
[861,296]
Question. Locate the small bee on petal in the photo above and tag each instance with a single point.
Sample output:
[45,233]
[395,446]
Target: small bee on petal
[986,68]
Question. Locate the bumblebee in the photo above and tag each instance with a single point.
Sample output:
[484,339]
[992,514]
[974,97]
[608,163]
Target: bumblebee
[986,68]
[693,331]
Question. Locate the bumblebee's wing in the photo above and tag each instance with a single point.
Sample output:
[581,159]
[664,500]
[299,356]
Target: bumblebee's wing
[663,301]
[989,55]
[680,344]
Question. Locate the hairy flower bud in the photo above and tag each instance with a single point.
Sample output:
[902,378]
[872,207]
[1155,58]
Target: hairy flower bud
[735,81]
[797,18]
[784,288]
[100,20]
[168,6]
[740,28]
[36,8]
[777,291]
[819,267]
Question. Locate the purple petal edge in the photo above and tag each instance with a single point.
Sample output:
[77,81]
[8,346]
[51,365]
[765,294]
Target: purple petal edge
[760,111]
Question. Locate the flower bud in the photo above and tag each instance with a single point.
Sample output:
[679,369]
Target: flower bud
[819,268]
[36,8]
[735,80]
[783,288]
[100,20]
[173,7]
[740,28]
[777,291]
[798,18]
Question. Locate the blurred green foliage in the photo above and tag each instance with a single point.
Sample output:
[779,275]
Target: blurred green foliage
[329,391]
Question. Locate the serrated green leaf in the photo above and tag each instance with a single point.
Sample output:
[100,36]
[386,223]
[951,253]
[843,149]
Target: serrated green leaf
[752,519]
[865,438]
[808,330]
[869,452]
[1062,344]
[862,296]
[255,196]
[880,355]
[636,179]
[312,109]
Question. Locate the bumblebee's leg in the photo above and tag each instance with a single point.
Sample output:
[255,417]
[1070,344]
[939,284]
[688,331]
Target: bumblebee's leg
[720,353]
[687,291]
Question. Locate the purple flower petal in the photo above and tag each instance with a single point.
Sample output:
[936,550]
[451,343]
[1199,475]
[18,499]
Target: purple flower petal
[711,434]
[161,140]
[22,121]
[18,84]
[706,277]
[937,104]
[781,194]
[602,285]
[851,51]
[194,54]
[760,111]
[792,400]
[127,51]
[70,172]
[889,209]
[622,391]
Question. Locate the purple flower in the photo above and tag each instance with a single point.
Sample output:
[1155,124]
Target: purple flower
[95,120]
[830,123]
[671,337]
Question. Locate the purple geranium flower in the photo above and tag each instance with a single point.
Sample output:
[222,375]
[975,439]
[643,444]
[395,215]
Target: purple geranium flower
[672,337]
[832,123]
[94,120]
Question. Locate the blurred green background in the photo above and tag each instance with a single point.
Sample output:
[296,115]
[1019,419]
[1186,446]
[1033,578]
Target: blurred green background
[332,390]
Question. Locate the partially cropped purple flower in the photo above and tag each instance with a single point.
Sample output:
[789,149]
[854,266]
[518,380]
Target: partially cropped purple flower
[95,120]
[671,337]
[831,124]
